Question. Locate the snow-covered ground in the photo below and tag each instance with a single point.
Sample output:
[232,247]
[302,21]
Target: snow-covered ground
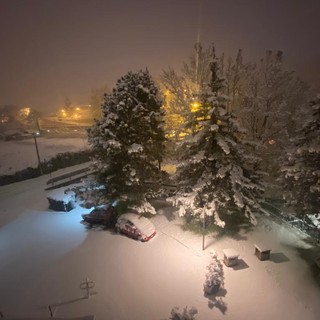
[45,255]
[20,154]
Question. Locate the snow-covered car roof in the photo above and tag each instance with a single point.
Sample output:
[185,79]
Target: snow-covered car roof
[143,224]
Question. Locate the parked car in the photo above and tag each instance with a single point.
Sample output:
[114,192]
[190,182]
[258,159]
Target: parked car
[104,214]
[135,226]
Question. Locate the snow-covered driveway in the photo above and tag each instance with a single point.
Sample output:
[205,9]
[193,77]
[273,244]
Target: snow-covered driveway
[45,255]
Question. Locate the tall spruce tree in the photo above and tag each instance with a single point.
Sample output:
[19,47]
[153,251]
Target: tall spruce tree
[301,166]
[128,142]
[217,170]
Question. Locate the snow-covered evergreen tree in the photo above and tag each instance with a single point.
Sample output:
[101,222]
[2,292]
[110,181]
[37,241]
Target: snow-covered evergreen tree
[128,142]
[217,169]
[301,167]
[214,276]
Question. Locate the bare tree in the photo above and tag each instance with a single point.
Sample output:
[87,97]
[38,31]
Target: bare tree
[97,99]
[181,90]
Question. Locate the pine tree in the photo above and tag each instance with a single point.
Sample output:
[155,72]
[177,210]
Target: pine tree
[128,142]
[217,170]
[301,166]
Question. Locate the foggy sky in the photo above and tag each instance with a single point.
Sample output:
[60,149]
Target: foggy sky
[53,49]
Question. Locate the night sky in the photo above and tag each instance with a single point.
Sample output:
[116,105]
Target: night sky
[53,49]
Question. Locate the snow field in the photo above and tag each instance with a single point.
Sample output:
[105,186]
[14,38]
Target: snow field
[45,255]
[18,155]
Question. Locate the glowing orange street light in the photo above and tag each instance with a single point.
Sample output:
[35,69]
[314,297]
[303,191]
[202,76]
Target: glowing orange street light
[195,106]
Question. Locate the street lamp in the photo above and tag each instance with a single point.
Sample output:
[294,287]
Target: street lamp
[37,150]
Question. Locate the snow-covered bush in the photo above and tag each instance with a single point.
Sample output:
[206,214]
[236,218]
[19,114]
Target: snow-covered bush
[186,314]
[214,276]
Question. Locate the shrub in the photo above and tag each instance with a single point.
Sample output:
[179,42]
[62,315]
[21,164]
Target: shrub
[187,314]
[214,275]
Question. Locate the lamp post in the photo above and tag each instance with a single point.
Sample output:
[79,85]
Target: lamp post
[203,227]
[37,150]
[201,205]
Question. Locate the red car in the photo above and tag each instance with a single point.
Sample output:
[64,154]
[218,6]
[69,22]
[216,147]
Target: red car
[135,226]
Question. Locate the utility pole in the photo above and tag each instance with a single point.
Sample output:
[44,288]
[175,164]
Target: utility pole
[37,150]
[203,227]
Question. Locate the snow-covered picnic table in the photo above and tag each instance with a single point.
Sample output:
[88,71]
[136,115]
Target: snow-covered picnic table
[230,257]
[262,251]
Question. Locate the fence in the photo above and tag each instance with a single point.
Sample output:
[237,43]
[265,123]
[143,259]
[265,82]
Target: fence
[68,178]
[301,224]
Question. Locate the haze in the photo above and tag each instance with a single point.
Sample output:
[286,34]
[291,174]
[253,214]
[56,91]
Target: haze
[51,50]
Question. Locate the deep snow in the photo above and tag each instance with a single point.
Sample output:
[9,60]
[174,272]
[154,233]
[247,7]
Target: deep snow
[45,255]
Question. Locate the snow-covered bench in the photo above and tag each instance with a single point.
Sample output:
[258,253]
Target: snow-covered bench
[262,252]
[230,257]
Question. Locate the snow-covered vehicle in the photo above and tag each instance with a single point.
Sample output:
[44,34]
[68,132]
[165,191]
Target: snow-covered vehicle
[104,214]
[135,226]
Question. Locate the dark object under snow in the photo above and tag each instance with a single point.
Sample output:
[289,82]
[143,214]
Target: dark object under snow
[61,200]
[58,205]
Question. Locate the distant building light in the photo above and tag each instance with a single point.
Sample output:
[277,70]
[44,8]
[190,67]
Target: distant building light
[4,119]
